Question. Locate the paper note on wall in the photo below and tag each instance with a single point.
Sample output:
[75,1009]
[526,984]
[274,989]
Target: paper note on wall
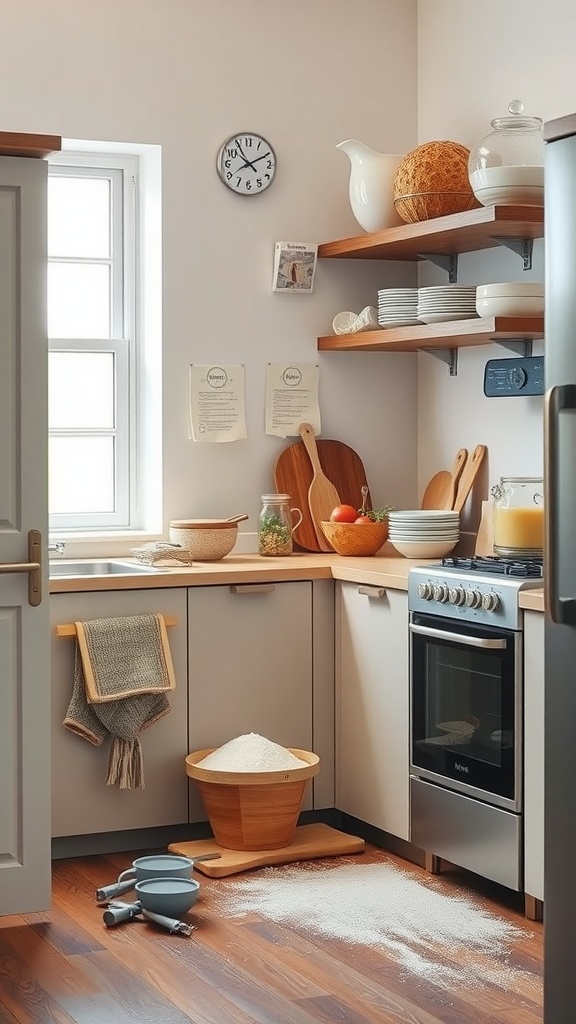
[291,398]
[216,402]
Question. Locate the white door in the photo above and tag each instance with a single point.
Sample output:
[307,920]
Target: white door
[25,883]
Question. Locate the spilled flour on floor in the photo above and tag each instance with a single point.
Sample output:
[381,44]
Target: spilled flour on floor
[445,938]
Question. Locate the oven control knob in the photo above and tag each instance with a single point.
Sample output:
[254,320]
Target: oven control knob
[490,602]
[456,595]
[440,592]
[473,599]
[425,591]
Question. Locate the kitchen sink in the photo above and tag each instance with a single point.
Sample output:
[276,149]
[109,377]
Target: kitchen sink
[103,568]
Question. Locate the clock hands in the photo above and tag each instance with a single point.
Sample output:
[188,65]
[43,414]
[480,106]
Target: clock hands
[250,163]
[244,157]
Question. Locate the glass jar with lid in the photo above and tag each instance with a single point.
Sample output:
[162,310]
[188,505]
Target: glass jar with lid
[519,517]
[507,165]
[276,525]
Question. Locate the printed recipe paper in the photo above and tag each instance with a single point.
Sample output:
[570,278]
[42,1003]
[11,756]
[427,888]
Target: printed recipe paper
[216,401]
[291,398]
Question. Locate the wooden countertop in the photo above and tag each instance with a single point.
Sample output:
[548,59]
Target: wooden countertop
[379,570]
[532,600]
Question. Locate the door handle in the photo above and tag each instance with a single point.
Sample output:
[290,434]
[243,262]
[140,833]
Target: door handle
[33,567]
[559,398]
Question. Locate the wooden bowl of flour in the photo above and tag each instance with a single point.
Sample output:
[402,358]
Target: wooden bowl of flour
[253,810]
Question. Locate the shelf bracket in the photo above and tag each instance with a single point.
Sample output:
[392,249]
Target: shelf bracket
[447,355]
[446,262]
[521,246]
[520,346]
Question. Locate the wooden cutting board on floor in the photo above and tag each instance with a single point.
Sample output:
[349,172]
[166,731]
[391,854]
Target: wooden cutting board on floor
[293,475]
[310,842]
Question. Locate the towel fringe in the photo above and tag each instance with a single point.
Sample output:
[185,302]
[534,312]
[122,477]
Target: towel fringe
[125,764]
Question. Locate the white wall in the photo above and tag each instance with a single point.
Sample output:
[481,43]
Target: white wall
[185,74]
[474,57]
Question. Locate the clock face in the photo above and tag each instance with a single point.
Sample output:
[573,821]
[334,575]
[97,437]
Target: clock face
[246,163]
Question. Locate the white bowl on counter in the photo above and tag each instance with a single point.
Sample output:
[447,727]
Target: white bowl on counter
[424,548]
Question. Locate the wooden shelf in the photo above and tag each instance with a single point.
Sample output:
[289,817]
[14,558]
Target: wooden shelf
[24,144]
[460,232]
[453,334]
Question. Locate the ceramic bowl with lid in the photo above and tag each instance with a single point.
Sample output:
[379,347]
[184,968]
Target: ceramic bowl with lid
[507,165]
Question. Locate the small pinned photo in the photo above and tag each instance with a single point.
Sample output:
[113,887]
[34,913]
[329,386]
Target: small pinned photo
[294,266]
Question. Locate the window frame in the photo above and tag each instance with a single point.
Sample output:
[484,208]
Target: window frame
[122,172]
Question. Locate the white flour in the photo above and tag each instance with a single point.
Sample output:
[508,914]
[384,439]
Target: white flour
[251,753]
[380,906]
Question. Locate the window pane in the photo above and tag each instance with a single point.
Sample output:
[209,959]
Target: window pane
[81,475]
[81,390]
[78,300]
[78,217]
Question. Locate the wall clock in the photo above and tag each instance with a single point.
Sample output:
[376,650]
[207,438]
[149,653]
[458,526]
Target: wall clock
[246,163]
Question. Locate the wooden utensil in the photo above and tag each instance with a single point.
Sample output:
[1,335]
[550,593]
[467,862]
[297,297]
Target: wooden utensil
[485,535]
[438,490]
[293,476]
[469,473]
[459,463]
[322,495]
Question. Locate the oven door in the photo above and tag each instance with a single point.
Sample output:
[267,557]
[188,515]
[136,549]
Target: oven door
[466,708]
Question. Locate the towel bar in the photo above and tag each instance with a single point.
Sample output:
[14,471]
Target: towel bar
[69,629]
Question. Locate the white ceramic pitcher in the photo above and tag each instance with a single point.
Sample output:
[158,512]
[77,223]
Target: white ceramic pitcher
[371,185]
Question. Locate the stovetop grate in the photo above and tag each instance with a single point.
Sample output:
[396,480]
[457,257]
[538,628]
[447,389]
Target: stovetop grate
[529,568]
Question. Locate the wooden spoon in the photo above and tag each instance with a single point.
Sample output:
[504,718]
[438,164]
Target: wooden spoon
[236,519]
[438,490]
[322,495]
[459,463]
[468,477]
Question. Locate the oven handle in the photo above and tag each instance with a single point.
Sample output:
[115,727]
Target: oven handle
[470,641]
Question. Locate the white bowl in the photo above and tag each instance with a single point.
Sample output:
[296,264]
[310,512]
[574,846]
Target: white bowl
[510,305]
[508,184]
[424,549]
[514,288]
[343,322]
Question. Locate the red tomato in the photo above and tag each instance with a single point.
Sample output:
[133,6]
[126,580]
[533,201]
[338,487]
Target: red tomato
[363,519]
[343,514]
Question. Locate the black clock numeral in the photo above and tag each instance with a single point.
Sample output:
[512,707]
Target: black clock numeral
[238,181]
[232,153]
[248,185]
[269,165]
[248,141]
[228,175]
[267,176]
[227,163]
[259,182]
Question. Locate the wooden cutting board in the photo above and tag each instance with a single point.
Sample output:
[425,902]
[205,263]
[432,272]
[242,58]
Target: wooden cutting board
[310,841]
[293,475]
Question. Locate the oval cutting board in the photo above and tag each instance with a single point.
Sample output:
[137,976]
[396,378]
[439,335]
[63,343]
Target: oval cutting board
[293,475]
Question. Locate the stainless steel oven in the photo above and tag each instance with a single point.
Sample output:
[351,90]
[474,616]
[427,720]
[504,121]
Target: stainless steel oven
[466,694]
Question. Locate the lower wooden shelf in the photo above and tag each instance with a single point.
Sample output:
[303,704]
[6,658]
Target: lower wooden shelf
[450,334]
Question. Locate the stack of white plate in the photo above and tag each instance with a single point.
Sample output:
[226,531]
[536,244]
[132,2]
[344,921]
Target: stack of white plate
[397,307]
[446,302]
[424,533]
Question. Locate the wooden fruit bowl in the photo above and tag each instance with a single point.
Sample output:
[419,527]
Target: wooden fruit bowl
[355,538]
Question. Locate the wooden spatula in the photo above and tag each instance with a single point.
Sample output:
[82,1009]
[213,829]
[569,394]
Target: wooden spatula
[438,490]
[469,473]
[459,463]
[322,495]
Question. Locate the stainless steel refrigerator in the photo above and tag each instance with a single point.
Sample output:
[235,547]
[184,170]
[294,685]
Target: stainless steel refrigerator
[560,572]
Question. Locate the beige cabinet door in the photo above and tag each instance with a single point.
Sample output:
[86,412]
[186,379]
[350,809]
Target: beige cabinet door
[25,880]
[534,754]
[372,706]
[82,803]
[250,667]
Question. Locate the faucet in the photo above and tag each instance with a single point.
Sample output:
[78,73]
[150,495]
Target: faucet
[58,546]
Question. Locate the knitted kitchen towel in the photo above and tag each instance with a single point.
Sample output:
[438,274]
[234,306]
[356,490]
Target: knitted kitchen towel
[122,675]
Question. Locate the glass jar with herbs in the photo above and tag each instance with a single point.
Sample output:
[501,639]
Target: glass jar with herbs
[276,525]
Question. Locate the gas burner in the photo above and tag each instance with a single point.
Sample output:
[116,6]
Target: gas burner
[529,568]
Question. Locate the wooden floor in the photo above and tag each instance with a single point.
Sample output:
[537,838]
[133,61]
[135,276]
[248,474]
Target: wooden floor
[66,967]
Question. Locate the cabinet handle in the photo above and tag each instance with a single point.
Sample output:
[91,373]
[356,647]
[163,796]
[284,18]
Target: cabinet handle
[252,588]
[372,591]
[33,567]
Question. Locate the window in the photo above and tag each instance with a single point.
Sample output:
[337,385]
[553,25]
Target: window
[93,341]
